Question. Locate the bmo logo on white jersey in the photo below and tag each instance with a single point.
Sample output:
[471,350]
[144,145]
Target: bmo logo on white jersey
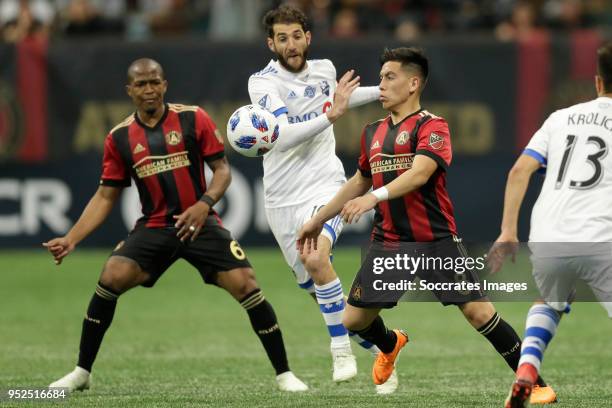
[303,118]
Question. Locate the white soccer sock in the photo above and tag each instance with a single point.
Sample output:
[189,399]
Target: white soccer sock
[542,322]
[331,303]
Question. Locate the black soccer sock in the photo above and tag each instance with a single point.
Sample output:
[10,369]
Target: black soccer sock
[378,334]
[505,340]
[97,320]
[265,325]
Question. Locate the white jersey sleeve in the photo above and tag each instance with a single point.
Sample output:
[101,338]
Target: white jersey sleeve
[297,133]
[538,145]
[264,92]
[363,95]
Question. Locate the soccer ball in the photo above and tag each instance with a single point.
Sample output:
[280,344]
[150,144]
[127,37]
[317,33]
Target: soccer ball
[252,131]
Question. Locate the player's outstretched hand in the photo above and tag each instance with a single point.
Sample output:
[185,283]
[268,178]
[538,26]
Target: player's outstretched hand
[59,248]
[504,245]
[346,85]
[308,236]
[352,210]
[191,221]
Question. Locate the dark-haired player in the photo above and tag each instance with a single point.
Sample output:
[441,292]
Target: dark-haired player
[302,172]
[405,157]
[163,148]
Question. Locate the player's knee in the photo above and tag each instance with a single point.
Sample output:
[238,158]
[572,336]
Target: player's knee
[121,274]
[354,320]
[478,313]
[244,284]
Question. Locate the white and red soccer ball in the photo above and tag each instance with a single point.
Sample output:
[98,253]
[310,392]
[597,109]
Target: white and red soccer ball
[252,131]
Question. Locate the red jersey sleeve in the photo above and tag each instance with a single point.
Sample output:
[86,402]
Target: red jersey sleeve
[364,162]
[208,136]
[114,171]
[434,142]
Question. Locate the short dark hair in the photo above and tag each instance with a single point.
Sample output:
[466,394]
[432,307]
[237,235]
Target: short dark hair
[284,15]
[139,64]
[410,57]
[604,65]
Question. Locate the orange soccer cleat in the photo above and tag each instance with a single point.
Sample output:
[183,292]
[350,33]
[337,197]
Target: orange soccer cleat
[524,392]
[385,362]
[542,395]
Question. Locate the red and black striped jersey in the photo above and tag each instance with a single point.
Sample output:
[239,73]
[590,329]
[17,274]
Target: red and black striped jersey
[166,161]
[387,151]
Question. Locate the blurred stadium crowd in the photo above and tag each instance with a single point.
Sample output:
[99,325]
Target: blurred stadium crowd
[405,20]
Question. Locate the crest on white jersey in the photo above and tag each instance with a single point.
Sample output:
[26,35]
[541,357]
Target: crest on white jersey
[309,92]
[324,87]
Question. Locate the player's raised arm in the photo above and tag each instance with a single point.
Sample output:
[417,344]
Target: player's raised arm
[363,95]
[93,215]
[294,134]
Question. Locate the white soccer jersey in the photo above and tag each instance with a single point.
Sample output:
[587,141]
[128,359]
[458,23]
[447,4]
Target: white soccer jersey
[575,202]
[310,169]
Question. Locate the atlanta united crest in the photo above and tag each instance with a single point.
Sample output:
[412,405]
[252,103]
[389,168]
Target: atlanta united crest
[357,292]
[402,138]
[173,138]
[435,141]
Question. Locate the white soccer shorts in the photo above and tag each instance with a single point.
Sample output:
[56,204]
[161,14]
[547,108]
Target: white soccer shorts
[285,223]
[556,278]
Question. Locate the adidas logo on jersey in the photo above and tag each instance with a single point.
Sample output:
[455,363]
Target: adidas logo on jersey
[139,148]
[376,145]
[263,102]
[291,95]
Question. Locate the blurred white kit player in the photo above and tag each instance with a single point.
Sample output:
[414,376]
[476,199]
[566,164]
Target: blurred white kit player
[571,222]
[302,173]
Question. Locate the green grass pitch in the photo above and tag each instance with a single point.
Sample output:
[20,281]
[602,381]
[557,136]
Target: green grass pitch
[184,344]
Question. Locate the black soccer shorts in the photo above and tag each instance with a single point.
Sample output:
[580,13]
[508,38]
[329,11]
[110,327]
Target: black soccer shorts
[156,249]
[366,289]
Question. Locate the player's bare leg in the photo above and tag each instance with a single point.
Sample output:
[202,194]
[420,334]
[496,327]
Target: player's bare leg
[118,276]
[482,316]
[241,284]
[330,297]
